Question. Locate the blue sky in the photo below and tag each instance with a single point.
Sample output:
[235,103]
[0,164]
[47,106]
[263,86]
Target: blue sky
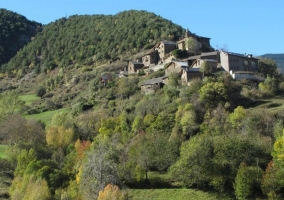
[241,26]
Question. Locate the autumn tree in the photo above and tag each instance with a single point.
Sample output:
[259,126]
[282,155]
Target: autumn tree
[100,168]
[59,137]
[111,192]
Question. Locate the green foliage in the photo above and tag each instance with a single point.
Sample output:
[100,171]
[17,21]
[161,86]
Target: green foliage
[40,92]
[269,87]
[237,116]
[96,38]
[247,182]
[10,103]
[180,53]
[192,45]
[213,93]
[267,67]
[16,31]
[193,167]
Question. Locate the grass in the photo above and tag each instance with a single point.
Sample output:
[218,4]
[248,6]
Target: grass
[173,194]
[29,98]
[45,117]
[2,151]
[271,106]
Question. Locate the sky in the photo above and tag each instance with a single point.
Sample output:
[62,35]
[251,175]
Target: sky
[241,26]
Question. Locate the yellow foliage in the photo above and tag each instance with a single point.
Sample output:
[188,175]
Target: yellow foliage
[78,175]
[59,136]
[278,152]
[112,192]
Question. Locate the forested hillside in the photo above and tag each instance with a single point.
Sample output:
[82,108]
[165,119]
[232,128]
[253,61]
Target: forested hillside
[89,39]
[71,128]
[15,32]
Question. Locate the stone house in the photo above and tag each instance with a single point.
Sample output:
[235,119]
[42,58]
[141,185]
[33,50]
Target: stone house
[151,85]
[202,41]
[238,62]
[134,67]
[212,64]
[188,74]
[175,66]
[164,48]
[150,57]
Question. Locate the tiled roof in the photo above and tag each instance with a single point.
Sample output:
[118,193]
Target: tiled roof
[154,81]
[212,53]
[209,60]
[240,55]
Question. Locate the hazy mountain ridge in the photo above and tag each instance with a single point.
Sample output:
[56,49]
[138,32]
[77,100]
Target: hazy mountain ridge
[278,58]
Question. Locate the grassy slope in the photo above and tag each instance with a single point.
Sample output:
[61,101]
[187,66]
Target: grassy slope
[271,106]
[2,151]
[173,194]
[45,117]
[29,98]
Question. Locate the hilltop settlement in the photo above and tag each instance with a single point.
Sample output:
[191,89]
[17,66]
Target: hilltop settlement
[201,60]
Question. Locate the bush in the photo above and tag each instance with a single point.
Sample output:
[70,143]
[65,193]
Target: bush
[40,92]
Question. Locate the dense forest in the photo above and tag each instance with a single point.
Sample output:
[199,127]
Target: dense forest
[16,31]
[106,138]
[88,39]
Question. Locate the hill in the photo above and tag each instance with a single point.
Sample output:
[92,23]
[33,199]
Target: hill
[15,32]
[92,39]
[278,58]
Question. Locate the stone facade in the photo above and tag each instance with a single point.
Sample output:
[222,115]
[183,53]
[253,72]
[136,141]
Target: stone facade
[150,58]
[238,62]
[151,85]
[175,67]
[164,48]
[188,74]
[134,67]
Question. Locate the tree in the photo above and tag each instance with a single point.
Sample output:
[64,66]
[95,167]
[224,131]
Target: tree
[10,103]
[237,116]
[100,168]
[194,165]
[267,67]
[59,137]
[213,93]
[41,91]
[272,181]
[192,45]
[247,182]
[16,130]
[111,192]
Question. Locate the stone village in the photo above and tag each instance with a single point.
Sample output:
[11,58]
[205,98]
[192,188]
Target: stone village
[240,66]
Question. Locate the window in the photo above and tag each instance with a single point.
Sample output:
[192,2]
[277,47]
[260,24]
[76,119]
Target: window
[245,62]
[252,63]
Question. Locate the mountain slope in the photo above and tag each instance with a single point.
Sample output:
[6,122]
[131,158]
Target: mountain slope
[15,32]
[278,58]
[90,39]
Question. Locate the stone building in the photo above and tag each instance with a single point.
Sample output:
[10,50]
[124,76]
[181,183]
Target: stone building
[164,48]
[134,67]
[238,62]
